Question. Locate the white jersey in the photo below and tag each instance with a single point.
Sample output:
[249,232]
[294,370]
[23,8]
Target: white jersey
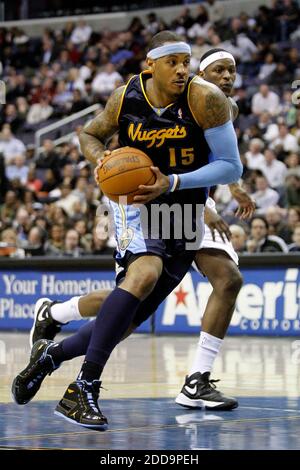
[218,244]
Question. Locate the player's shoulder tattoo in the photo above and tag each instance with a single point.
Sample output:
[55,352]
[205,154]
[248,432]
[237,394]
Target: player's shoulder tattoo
[105,123]
[208,104]
[216,108]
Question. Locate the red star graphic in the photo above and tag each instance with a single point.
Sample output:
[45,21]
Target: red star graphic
[181,295]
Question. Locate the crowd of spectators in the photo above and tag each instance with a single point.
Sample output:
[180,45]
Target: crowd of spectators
[48,199]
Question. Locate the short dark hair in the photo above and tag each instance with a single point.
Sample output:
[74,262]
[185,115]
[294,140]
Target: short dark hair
[162,37]
[259,217]
[211,51]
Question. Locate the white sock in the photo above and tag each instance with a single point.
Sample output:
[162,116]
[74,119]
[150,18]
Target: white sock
[66,311]
[207,350]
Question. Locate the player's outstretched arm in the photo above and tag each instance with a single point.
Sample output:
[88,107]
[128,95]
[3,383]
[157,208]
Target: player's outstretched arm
[247,205]
[94,136]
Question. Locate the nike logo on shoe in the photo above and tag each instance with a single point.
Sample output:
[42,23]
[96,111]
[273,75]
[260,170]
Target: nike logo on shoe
[192,389]
[42,315]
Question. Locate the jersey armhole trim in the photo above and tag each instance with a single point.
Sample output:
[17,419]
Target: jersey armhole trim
[122,98]
[188,100]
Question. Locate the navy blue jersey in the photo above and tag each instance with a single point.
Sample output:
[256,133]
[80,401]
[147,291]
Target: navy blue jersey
[173,140]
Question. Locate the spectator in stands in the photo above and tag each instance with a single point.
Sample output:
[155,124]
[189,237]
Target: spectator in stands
[293,219]
[285,140]
[85,237]
[100,240]
[260,241]
[265,100]
[9,208]
[78,103]
[267,67]
[254,157]
[10,146]
[295,246]
[238,238]
[276,218]
[81,33]
[48,157]
[274,170]
[35,242]
[67,199]
[292,182]
[10,245]
[22,223]
[12,118]
[39,112]
[55,245]
[33,183]
[292,160]
[106,81]
[264,196]
[72,247]
[18,170]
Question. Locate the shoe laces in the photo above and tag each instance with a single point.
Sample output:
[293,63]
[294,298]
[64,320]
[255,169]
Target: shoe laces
[92,393]
[209,383]
[212,383]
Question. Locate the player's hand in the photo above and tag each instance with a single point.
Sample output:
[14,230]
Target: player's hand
[99,165]
[247,205]
[215,222]
[149,192]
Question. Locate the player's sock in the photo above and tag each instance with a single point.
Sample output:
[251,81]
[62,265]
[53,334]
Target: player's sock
[66,311]
[111,323]
[207,350]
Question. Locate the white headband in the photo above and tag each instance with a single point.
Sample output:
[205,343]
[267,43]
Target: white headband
[168,49]
[214,57]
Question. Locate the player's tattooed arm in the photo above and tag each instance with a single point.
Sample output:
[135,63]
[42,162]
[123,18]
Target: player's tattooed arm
[94,136]
[208,104]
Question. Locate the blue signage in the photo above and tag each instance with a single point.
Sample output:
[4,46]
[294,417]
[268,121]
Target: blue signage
[19,291]
[268,303]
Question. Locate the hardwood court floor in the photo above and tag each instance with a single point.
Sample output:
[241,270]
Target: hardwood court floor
[144,375]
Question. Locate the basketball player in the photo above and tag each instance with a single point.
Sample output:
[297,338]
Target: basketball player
[216,259]
[157,110]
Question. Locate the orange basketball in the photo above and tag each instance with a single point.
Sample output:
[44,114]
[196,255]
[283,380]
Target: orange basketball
[123,171]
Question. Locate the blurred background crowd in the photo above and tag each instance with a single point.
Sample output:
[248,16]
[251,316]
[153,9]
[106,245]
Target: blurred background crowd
[48,197]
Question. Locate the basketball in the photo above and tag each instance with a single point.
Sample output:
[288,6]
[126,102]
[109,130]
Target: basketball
[123,171]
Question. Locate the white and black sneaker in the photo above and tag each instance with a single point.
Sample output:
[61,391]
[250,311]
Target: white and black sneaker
[44,326]
[201,392]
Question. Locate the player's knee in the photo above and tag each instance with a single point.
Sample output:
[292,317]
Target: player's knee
[232,284]
[144,282]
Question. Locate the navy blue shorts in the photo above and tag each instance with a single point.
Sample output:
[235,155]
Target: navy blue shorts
[174,270]
[132,243]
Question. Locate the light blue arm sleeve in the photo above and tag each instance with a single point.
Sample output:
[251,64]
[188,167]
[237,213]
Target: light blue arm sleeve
[226,168]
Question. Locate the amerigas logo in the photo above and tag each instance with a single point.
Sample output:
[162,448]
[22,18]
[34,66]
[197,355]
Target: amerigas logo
[268,303]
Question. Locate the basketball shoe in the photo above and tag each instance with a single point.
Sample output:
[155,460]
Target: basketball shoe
[27,383]
[79,405]
[201,392]
[44,326]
